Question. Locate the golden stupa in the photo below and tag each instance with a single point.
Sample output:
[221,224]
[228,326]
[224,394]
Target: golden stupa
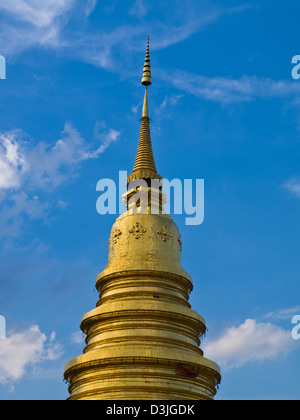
[143,338]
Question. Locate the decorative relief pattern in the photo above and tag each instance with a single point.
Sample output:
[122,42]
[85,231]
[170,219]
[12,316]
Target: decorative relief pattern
[137,230]
[180,243]
[115,236]
[164,234]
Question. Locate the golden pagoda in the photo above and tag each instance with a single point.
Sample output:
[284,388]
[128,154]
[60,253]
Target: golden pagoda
[143,338]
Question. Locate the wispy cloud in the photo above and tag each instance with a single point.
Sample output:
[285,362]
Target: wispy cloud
[139,8]
[283,314]
[293,186]
[51,24]
[30,23]
[106,48]
[168,100]
[251,341]
[228,90]
[195,17]
[37,13]
[77,338]
[15,208]
[90,6]
[106,138]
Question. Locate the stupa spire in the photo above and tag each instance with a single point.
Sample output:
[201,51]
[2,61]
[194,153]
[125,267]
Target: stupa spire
[143,338]
[144,166]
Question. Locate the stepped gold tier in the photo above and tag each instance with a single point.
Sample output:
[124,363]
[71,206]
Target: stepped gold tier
[143,338]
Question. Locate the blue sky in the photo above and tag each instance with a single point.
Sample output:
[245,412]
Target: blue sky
[224,108]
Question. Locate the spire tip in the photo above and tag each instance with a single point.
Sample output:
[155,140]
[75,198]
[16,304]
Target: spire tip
[147,79]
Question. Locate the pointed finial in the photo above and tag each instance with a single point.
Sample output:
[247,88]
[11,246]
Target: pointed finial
[147,80]
[144,166]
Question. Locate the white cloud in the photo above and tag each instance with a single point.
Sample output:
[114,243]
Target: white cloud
[47,165]
[293,186]
[36,12]
[31,23]
[251,341]
[12,161]
[26,349]
[27,171]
